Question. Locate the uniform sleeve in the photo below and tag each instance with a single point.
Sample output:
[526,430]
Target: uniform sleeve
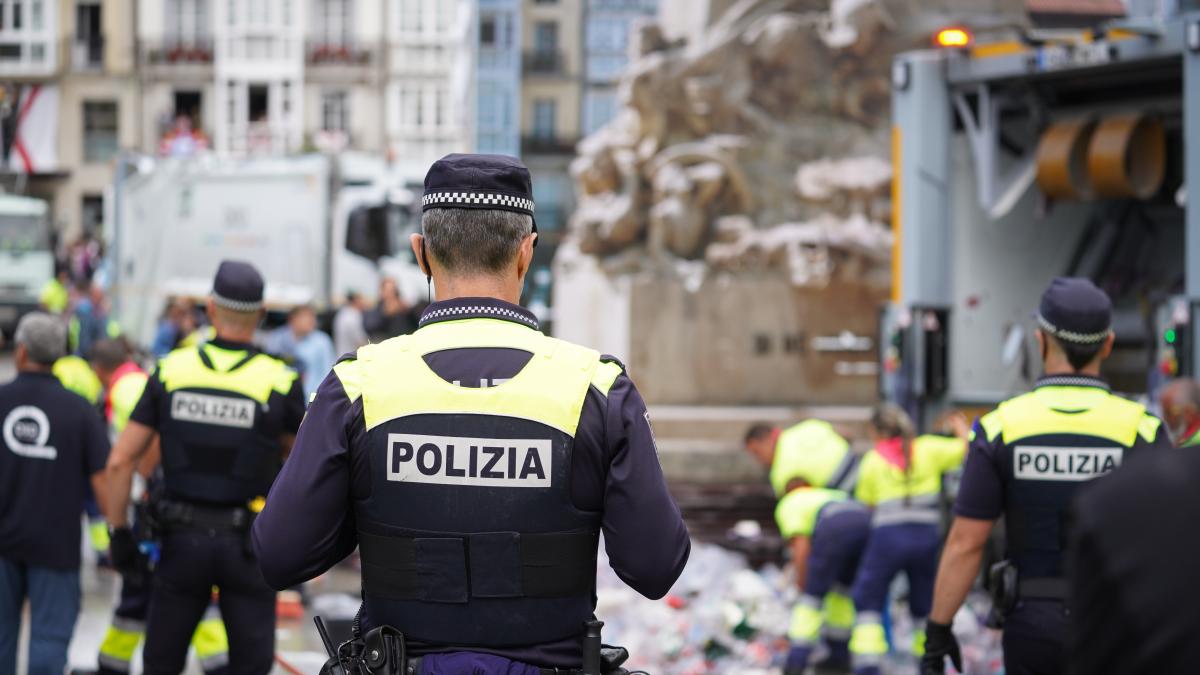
[146,410]
[1152,435]
[307,525]
[981,492]
[294,407]
[949,452]
[796,515]
[95,441]
[644,533]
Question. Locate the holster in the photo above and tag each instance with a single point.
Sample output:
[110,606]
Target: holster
[382,651]
[1002,583]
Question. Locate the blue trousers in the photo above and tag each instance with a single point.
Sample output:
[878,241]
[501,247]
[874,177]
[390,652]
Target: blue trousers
[911,548]
[1033,638]
[54,606]
[838,541]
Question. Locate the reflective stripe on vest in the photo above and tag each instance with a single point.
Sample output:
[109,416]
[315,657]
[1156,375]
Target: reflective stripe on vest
[468,535]
[921,509]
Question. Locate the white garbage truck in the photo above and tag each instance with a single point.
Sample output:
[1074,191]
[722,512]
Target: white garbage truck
[316,226]
[26,256]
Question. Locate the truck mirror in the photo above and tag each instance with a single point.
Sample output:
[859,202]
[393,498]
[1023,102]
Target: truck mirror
[368,234]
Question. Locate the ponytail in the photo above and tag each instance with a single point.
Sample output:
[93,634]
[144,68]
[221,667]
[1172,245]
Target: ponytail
[890,421]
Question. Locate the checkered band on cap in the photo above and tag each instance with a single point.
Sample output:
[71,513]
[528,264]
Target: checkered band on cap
[236,305]
[476,200]
[1072,336]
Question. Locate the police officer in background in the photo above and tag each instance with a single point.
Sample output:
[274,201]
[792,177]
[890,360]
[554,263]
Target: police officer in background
[1027,459]
[225,414]
[476,461]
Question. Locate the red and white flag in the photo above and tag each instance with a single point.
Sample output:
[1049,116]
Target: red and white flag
[35,147]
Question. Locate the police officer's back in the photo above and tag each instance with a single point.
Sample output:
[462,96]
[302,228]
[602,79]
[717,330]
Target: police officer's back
[475,461]
[1027,459]
[224,413]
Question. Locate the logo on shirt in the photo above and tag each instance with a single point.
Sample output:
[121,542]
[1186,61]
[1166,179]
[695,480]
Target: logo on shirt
[26,430]
[220,410]
[485,462]
[1064,464]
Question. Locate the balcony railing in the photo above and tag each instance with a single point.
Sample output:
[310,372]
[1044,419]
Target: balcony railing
[337,53]
[548,144]
[543,61]
[178,53]
[87,53]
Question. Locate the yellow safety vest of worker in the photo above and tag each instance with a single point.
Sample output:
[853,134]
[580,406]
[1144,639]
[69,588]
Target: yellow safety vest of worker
[797,514]
[909,494]
[54,297]
[77,375]
[814,452]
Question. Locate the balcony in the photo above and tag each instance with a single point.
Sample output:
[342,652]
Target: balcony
[87,53]
[339,61]
[543,62]
[544,144]
[177,59]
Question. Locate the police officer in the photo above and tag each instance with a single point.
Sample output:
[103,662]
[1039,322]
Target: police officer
[124,382]
[52,442]
[811,452]
[475,461]
[225,414]
[1026,461]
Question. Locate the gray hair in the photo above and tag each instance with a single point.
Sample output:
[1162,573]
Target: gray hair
[43,336]
[475,241]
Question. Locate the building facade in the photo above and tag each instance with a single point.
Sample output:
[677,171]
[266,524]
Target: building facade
[608,25]
[551,93]
[497,45]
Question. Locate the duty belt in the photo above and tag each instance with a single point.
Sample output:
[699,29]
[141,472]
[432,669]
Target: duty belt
[1042,588]
[414,666]
[549,565]
[175,515]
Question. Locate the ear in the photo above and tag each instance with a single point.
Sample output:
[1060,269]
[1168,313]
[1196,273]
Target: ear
[1106,350]
[1041,340]
[20,356]
[210,309]
[416,240]
[525,256]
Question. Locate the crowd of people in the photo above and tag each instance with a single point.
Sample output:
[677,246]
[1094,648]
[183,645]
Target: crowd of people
[78,372]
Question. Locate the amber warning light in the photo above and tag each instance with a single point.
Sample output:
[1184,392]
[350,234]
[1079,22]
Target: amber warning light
[953,37]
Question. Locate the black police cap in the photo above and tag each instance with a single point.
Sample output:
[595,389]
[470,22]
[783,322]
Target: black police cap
[498,182]
[238,286]
[1074,310]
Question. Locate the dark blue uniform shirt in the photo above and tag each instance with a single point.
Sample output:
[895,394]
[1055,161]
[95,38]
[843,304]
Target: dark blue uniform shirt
[981,495]
[53,442]
[308,524]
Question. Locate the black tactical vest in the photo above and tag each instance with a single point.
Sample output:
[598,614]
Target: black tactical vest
[469,536]
[220,438]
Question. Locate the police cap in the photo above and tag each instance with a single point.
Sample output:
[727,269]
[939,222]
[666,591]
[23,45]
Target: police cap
[1074,310]
[461,181]
[238,287]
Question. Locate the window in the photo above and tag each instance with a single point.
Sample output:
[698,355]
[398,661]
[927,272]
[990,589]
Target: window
[545,37]
[598,108]
[89,41]
[440,117]
[332,21]
[91,214]
[186,21]
[333,111]
[187,104]
[99,131]
[544,112]
[259,105]
[487,31]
